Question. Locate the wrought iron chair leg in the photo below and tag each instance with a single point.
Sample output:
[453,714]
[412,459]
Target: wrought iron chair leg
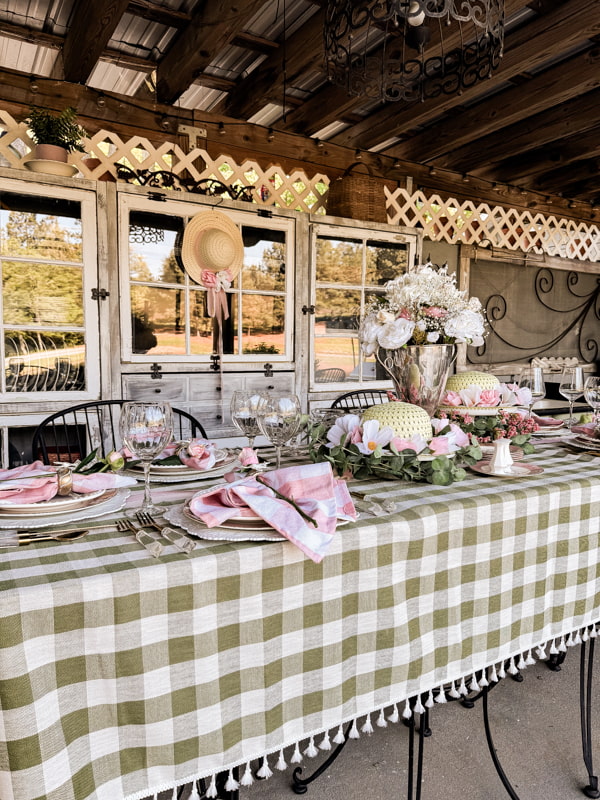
[585,706]
[491,748]
[300,785]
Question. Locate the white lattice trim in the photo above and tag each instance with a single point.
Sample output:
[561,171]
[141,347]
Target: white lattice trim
[450,220]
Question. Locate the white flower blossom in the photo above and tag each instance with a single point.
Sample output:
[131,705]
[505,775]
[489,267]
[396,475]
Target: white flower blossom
[394,334]
[464,326]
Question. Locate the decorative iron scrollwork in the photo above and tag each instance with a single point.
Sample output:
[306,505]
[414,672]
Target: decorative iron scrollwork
[163,179]
[582,305]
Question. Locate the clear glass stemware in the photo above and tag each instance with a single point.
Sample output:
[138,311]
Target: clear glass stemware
[571,387]
[244,412]
[146,429]
[532,378]
[591,392]
[279,418]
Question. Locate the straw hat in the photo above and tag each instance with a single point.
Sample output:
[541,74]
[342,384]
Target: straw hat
[211,241]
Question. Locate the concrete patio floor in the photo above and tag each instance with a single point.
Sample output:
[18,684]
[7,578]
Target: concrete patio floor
[536,730]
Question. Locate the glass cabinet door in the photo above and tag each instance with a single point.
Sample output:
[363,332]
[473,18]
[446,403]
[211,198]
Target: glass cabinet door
[49,337]
[351,266]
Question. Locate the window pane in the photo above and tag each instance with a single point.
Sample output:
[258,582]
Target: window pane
[385,261]
[44,362]
[151,248]
[158,312]
[336,335]
[201,326]
[41,227]
[339,261]
[264,260]
[262,324]
[42,294]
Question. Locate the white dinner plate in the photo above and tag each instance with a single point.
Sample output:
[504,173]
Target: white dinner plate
[56,505]
[196,527]
[181,474]
[520,470]
[108,505]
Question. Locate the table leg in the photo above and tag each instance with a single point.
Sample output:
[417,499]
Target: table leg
[424,731]
[488,735]
[585,706]
[300,785]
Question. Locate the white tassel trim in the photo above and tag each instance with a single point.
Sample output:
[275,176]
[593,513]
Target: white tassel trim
[339,737]
[212,789]
[441,696]
[311,751]
[325,743]
[194,795]
[296,755]
[232,785]
[281,765]
[454,691]
[429,702]
[381,720]
[418,709]
[395,715]
[354,734]
[247,779]
[367,726]
[264,771]
[407,713]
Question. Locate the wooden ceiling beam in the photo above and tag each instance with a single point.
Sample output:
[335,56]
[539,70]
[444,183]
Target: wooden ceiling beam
[562,179]
[90,30]
[159,123]
[161,14]
[259,44]
[216,24]
[524,168]
[481,156]
[303,52]
[332,103]
[533,50]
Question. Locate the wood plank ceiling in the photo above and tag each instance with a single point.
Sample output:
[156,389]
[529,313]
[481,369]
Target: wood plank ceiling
[531,130]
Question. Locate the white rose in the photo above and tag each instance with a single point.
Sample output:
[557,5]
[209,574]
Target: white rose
[433,336]
[466,325]
[368,336]
[384,316]
[395,334]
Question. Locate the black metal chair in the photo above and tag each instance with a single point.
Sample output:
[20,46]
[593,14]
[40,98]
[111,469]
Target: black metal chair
[71,434]
[360,399]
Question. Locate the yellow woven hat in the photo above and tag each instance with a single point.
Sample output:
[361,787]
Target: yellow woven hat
[211,241]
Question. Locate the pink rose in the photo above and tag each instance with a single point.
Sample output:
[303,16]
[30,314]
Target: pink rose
[439,445]
[208,279]
[247,457]
[434,311]
[489,397]
[402,444]
[461,439]
[452,399]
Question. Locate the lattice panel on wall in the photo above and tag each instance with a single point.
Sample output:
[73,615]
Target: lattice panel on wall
[449,220]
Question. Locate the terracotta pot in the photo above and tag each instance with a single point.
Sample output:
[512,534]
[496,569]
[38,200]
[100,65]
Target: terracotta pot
[51,152]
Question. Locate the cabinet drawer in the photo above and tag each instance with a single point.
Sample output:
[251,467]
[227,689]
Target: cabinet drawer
[168,388]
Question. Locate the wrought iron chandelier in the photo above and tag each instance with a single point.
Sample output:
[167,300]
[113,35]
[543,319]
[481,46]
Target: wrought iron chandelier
[412,49]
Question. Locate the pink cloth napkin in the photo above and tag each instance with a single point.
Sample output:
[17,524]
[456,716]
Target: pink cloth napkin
[31,483]
[312,487]
[587,429]
[199,453]
[548,422]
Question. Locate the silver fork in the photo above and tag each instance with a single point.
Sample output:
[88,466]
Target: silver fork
[149,542]
[178,540]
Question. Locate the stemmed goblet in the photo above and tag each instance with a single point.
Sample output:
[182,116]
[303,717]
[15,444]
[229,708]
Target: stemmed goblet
[532,378]
[571,387]
[279,418]
[591,392]
[146,429]
[244,412]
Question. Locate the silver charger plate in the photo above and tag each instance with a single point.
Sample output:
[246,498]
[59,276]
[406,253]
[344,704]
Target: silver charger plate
[56,505]
[114,503]
[183,474]
[176,515]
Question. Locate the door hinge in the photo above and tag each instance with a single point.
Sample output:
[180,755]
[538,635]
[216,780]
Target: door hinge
[268,368]
[159,197]
[99,294]
[155,371]
[216,362]
[308,310]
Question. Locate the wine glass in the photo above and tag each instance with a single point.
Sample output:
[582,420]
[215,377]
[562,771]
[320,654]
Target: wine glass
[146,429]
[571,387]
[591,391]
[244,410]
[279,418]
[532,378]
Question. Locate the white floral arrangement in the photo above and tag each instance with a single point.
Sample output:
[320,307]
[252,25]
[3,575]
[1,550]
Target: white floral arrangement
[423,306]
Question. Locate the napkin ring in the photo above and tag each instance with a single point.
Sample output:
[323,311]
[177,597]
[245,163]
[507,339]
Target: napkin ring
[64,477]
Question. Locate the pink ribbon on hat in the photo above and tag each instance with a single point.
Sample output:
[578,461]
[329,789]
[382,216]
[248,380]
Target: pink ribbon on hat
[216,283]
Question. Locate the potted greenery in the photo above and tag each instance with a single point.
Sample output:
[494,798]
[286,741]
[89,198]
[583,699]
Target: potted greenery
[55,135]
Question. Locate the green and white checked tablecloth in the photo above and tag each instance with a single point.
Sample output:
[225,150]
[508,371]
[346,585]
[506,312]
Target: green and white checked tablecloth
[121,675]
